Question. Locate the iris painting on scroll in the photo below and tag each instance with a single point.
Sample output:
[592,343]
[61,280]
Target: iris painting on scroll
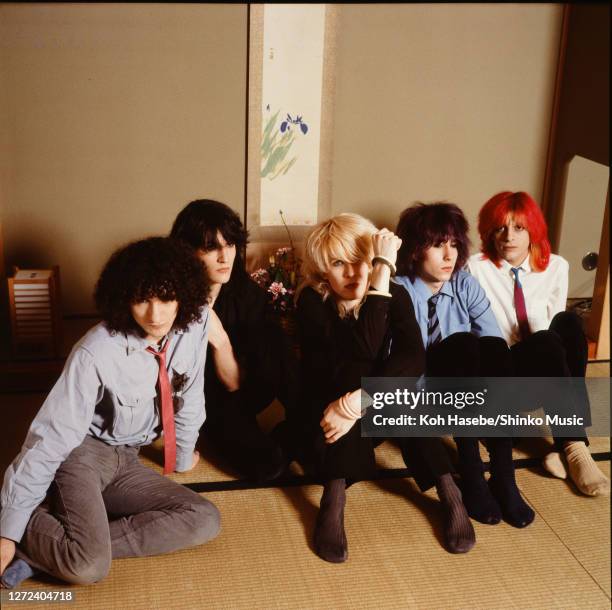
[293,38]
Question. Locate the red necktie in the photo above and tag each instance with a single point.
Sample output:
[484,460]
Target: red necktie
[164,392]
[519,305]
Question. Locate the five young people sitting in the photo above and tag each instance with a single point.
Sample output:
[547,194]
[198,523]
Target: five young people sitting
[184,326]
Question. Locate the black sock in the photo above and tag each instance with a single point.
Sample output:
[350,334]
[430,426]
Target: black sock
[477,497]
[329,537]
[458,531]
[480,503]
[502,483]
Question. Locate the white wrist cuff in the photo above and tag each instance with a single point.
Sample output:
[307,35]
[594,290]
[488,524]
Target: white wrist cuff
[383,259]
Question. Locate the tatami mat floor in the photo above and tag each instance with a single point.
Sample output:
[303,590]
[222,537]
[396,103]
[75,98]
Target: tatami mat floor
[263,557]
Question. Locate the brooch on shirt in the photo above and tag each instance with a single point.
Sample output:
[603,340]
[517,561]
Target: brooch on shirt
[179,381]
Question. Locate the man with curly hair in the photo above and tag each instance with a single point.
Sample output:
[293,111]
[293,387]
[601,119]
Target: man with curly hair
[77,496]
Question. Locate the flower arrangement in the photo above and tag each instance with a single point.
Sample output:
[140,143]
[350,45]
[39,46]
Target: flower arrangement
[279,279]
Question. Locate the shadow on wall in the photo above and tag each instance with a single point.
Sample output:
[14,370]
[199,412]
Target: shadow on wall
[46,245]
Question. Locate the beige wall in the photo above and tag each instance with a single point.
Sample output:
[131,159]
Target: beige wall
[113,117]
[441,101]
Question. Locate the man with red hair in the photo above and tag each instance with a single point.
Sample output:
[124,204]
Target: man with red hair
[527,287]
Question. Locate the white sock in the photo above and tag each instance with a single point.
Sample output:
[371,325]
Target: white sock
[553,464]
[584,471]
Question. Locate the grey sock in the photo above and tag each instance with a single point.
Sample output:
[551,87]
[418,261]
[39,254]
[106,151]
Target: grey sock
[329,536]
[16,572]
[458,531]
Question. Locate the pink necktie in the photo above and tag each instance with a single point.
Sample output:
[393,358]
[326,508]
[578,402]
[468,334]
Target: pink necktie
[519,306]
[164,392]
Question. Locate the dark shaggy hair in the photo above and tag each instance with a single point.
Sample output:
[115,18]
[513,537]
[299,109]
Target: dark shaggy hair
[424,225]
[198,223]
[155,267]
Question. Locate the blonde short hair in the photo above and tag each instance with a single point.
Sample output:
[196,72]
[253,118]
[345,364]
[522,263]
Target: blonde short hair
[346,237]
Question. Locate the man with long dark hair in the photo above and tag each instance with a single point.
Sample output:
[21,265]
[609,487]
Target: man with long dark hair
[77,496]
[250,360]
[462,339]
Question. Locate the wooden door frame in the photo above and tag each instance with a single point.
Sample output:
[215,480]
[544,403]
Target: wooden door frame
[559,155]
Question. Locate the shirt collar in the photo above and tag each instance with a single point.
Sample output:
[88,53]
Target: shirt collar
[447,289]
[424,291]
[135,343]
[525,266]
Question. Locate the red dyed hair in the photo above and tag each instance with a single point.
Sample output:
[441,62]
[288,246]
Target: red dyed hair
[526,212]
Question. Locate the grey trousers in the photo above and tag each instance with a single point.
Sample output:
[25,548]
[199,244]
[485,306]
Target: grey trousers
[104,504]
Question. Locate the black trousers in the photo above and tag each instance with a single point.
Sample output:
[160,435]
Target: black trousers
[561,351]
[352,457]
[468,356]
[231,427]
[231,417]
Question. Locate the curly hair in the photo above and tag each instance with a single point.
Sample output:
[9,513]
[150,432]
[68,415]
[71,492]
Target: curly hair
[526,212]
[159,267]
[424,225]
[198,224]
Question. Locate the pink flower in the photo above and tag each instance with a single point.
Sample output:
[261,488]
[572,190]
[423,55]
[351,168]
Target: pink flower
[261,277]
[276,289]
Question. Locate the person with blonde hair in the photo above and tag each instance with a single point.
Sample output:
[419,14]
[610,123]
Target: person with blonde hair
[353,323]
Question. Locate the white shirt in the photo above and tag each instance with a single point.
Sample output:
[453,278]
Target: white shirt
[545,292]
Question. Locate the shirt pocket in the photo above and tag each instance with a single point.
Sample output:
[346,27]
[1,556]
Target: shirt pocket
[134,414]
[458,322]
[537,315]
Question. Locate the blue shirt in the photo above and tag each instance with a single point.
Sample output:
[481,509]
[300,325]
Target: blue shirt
[462,306]
[107,390]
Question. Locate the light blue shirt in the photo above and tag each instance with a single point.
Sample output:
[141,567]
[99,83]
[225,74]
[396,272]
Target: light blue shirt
[107,390]
[462,306]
